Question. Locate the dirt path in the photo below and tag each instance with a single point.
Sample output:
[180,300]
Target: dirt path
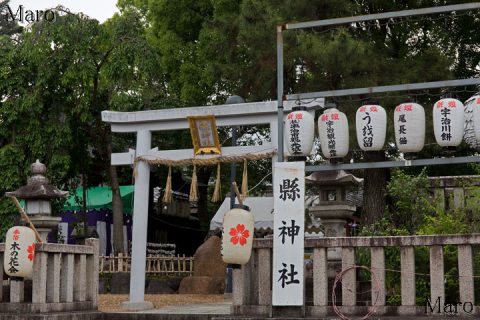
[112,302]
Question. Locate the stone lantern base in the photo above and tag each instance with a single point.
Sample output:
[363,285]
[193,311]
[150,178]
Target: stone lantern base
[333,217]
[44,224]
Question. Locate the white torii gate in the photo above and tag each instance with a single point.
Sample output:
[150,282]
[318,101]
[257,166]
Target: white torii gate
[143,123]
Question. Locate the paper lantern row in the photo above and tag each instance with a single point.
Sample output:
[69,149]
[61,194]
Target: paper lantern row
[371,125]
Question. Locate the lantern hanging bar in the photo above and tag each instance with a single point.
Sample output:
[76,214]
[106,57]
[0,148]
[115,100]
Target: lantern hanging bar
[382,89]
[393,164]
[280,92]
[385,15]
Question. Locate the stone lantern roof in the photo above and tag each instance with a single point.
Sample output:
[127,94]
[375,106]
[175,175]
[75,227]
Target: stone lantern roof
[330,178]
[37,186]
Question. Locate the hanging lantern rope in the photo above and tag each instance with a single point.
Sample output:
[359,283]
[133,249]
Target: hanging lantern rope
[217,193]
[245,181]
[193,186]
[205,162]
[167,197]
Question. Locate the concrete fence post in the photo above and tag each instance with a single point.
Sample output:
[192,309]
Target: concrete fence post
[92,272]
[39,281]
[465,272]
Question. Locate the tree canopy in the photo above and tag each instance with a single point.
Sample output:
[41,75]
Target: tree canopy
[56,77]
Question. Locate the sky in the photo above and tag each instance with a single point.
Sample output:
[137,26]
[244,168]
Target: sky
[97,9]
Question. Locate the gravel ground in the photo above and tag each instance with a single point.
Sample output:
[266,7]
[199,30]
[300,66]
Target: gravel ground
[112,302]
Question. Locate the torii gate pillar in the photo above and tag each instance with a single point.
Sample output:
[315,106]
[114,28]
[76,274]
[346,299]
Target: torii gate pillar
[140,221]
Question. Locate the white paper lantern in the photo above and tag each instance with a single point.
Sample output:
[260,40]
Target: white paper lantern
[333,132]
[19,252]
[409,124]
[299,132]
[475,103]
[471,126]
[448,122]
[371,127]
[238,228]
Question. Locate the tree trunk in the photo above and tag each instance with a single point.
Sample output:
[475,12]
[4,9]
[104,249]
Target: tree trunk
[374,190]
[117,207]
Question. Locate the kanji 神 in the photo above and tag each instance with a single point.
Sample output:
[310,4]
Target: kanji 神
[288,278]
[289,190]
[291,232]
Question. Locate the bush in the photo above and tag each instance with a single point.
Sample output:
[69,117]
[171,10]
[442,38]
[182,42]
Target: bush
[412,211]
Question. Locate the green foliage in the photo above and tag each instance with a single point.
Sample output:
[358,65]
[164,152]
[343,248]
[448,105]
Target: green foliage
[411,200]
[10,157]
[410,196]
[55,79]
[384,227]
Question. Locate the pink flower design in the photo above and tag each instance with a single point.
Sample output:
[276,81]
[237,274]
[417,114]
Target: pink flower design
[239,235]
[31,251]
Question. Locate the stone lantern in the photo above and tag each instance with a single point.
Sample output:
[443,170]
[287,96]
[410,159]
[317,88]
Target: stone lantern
[332,208]
[37,195]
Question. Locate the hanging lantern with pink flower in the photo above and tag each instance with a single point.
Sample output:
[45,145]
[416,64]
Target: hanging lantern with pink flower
[299,131]
[19,252]
[448,122]
[409,124]
[333,133]
[238,228]
[371,127]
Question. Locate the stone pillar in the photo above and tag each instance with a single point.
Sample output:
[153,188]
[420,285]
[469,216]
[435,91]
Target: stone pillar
[139,228]
[378,269]
[264,274]
[320,279]
[16,290]
[407,263]
[39,281]
[66,275]
[437,279]
[349,279]
[92,272]
[465,271]
[53,277]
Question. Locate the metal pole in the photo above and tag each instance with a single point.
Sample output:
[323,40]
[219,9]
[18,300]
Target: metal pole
[84,207]
[393,164]
[233,167]
[280,90]
[383,15]
[382,89]
[233,176]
